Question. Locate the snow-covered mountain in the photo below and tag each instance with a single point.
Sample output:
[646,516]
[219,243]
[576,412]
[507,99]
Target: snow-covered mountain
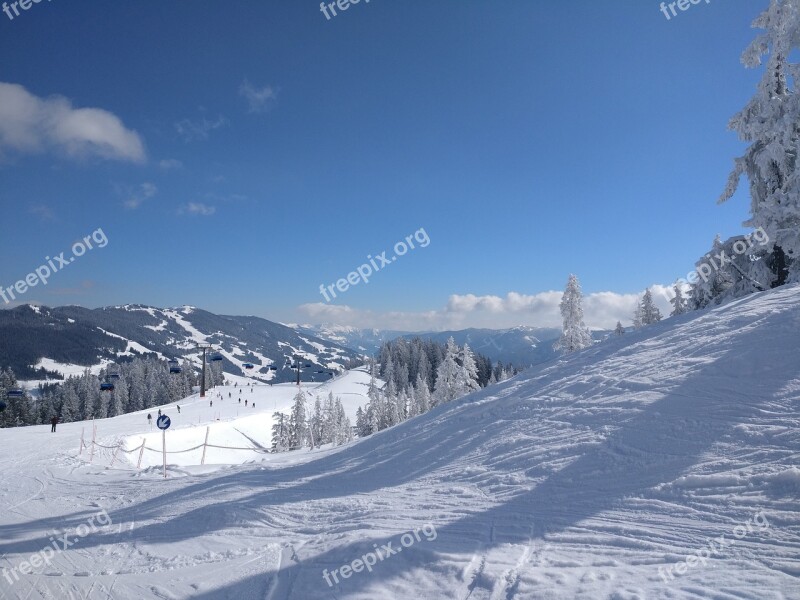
[364,341]
[36,341]
[521,346]
[661,464]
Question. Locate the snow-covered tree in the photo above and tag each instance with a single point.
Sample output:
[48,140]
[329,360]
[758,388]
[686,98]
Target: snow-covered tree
[680,304]
[650,312]
[638,320]
[619,329]
[298,427]
[422,395]
[575,335]
[771,123]
[468,377]
[448,387]
[281,441]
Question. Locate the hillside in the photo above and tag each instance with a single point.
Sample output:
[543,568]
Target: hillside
[592,477]
[37,342]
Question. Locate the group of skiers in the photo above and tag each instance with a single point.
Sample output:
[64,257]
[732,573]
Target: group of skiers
[210,403]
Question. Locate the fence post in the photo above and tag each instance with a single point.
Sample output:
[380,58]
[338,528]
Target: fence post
[94,436]
[205,443]
[141,451]
[114,458]
[203,460]
[80,452]
[164,449]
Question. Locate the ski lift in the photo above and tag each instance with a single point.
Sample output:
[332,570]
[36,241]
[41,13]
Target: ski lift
[174,367]
[320,371]
[308,365]
[107,387]
[15,393]
[216,357]
[248,366]
[114,375]
[273,368]
[2,406]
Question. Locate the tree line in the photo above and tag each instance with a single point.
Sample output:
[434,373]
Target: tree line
[139,384]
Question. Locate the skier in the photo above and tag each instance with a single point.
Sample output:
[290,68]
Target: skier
[54,422]
[211,403]
[240,400]
[159,412]
[245,402]
[254,404]
[229,394]
[179,409]
[150,419]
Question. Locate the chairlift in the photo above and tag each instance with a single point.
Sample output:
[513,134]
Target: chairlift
[2,406]
[174,367]
[248,366]
[107,387]
[308,365]
[273,368]
[216,357]
[15,393]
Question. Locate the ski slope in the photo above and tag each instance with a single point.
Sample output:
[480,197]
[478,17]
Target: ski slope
[592,477]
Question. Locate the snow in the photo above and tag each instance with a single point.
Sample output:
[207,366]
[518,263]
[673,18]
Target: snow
[585,478]
[67,369]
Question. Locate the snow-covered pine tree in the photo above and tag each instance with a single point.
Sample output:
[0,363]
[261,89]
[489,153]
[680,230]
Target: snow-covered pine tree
[638,319]
[650,312]
[422,395]
[771,122]
[468,378]
[362,423]
[280,433]
[316,425]
[680,304]
[619,330]
[447,376]
[574,336]
[298,428]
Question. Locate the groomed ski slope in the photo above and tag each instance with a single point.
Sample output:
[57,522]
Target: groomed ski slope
[578,479]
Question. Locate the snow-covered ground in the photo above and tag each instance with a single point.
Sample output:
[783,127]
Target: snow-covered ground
[593,477]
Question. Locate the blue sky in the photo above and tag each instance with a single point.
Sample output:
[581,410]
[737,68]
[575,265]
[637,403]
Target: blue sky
[240,154]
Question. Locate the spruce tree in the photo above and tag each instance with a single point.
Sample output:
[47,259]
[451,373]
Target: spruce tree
[574,336]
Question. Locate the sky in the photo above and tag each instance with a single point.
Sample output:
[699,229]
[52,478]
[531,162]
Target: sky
[247,157]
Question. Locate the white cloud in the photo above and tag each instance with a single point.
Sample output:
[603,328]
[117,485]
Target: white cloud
[45,213]
[135,196]
[197,208]
[602,310]
[258,100]
[168,164]
[29,124]
[193,131]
